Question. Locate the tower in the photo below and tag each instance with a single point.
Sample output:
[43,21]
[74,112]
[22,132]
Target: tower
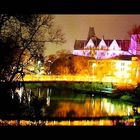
[91,33]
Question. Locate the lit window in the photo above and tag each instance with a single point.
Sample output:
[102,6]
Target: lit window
[122,64]
[122,69]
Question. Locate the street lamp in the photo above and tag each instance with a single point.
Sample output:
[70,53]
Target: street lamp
[50,62]
[39,62]
[38,65]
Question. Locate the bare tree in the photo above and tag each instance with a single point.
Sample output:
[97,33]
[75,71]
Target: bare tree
[28,36]
[134,30]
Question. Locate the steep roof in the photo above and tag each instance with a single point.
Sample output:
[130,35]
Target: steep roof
[79,44]
[114,46]
[90,44]
[108,41]
[124,44]
[102,44]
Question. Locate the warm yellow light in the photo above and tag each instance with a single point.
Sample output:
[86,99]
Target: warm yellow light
[94,65]
[126,75]
[118,74]
[118,65]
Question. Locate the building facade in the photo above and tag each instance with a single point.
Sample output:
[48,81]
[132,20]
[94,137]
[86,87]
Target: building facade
[124,72]
[115,61]
[103,49]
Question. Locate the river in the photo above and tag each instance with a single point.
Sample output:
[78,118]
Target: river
[44,105]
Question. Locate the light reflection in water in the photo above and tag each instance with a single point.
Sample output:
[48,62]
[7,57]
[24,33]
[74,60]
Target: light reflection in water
[130,122]
[63,103]
[95,107]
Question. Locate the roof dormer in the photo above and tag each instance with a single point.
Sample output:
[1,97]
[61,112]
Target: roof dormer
[114,46]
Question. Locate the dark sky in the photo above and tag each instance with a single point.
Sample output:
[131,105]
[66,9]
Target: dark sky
[77,26]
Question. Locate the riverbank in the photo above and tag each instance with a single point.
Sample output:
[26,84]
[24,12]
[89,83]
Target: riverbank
[99,89]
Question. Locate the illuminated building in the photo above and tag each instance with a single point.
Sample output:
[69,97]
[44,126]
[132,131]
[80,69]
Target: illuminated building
[123,70]
[115,61]
[103,49]
[135,44]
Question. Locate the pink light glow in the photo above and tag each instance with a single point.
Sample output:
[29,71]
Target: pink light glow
[102,51]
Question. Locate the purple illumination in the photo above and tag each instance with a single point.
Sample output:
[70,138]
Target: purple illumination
[102,51]
[101,54]
[134,47]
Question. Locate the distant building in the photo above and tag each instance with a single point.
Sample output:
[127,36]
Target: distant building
[116,61]
[122,70]
[102,49]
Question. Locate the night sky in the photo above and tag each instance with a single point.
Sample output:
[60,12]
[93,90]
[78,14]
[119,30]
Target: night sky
[77,26]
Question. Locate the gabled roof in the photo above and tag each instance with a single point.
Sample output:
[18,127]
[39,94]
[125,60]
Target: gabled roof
[79,44]
[108,42]
[114,46]
[120,44]
[96,40]
[124,44]
[102,44]
[90,44]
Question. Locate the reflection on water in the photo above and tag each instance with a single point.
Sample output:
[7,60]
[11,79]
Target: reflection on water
[91,107]
[68,104]
[129,122]
[52,106]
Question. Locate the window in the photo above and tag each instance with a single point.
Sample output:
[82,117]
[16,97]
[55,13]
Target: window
[113,63]
[122,64]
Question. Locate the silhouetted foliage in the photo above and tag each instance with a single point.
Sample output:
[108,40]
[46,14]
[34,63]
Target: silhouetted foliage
[70,64]
[135,30]
[22,39]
